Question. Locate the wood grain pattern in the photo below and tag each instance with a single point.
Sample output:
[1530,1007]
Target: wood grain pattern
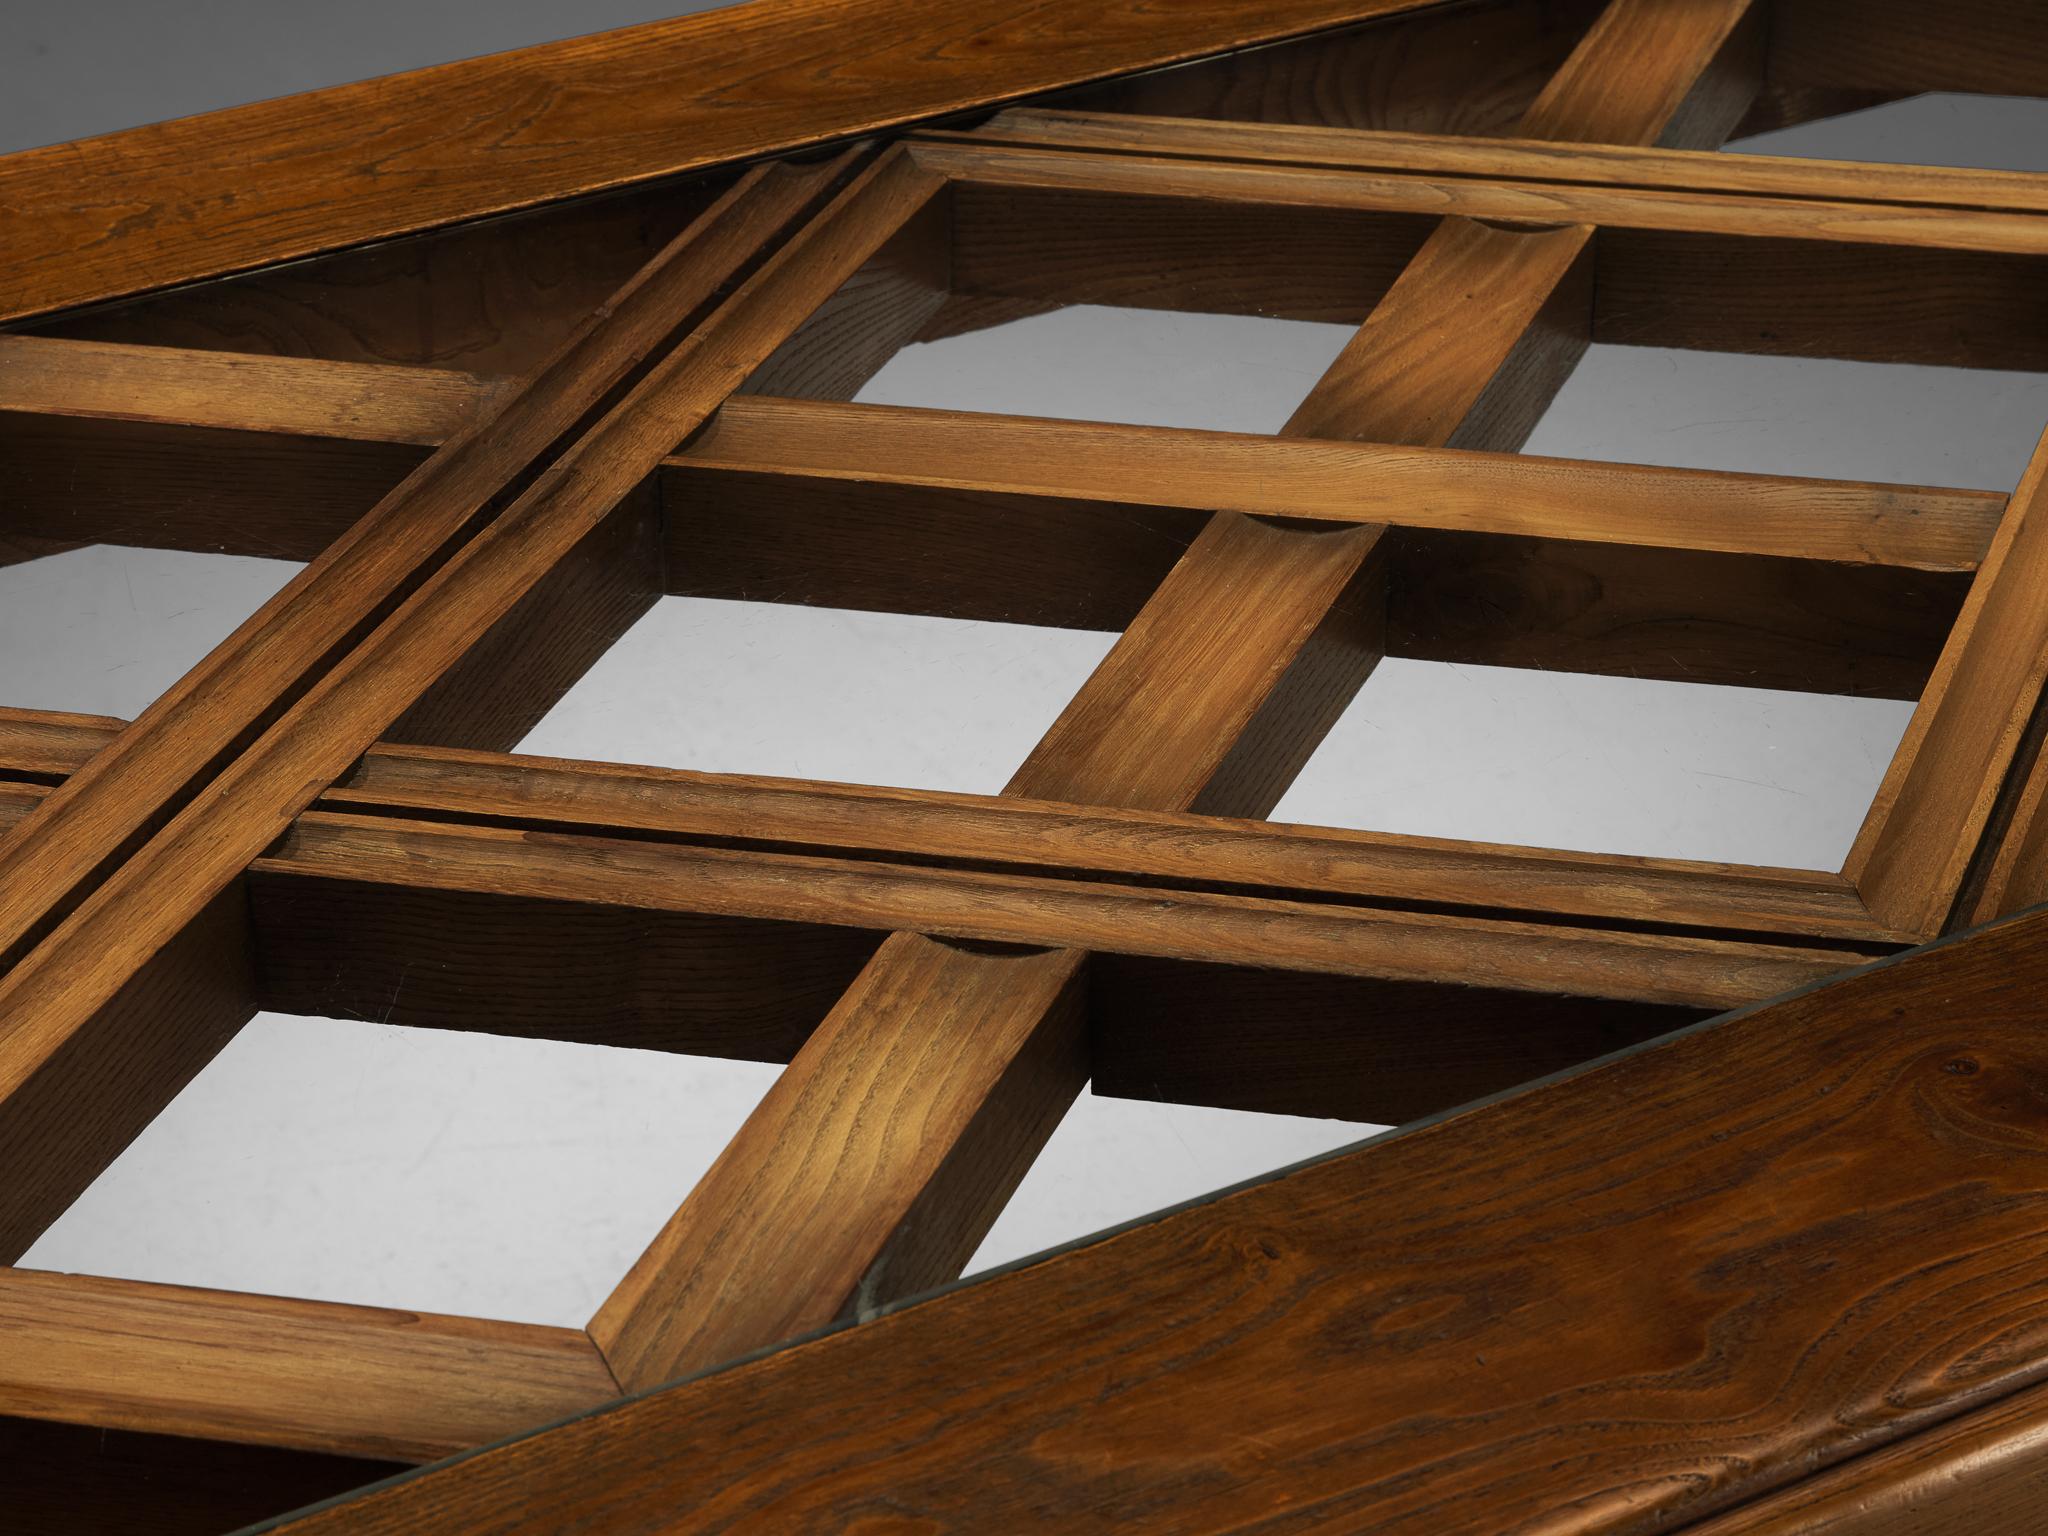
[52,1001]
[1916,842]
[1841,1193]
[1497,158]
[1999,46]
[69,1110]
[1468,69]
[1330,938]
[933,826]
[1810,298]
[1900,224]
[218,707]
[1984,1472]
[498,296]
[1213,698]
[367,402]
[1345,482]
[1364,1049]
[911,1132]
[318,1376]
[152,206]
[1699,618]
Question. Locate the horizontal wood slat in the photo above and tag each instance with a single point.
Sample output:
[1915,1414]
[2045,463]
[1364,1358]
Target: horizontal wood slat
[1536,203]
[804,440]
[1348,482]
[1948,188]
[1020,909]
[1205,852]
[263,1370]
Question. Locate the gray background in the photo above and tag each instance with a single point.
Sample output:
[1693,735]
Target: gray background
[519,1179]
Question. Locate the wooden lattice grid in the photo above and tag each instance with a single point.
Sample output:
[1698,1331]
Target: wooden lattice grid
[332,785]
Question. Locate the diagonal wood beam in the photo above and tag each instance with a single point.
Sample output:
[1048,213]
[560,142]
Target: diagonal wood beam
[58,1049]
[216,709]
[1804,1233]
[223,192]
[1922,829]
[1214,696]
[262,1370]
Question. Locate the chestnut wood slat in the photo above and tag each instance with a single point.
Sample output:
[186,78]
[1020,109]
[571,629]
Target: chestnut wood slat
[1177,716]
[218,707]
[55,1038]
[1531,202]
[1806,1232]
[177,386]
[1916,842]
[1951,189]
[230,190]
[1056,911]
[929,826]
[1126,466]
[262,1370]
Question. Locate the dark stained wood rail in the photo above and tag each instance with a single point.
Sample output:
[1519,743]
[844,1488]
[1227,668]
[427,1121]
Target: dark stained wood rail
[1685,1277]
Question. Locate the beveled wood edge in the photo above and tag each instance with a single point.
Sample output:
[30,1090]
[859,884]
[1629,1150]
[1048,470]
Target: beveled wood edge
[1511,158]
[1534,204]
[1390,943]
[1051,911]
[623,800]
[266,1370]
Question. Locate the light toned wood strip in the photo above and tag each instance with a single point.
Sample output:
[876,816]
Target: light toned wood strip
[236,189]
[1954,189]
[1916,842]
[611,798]
[1639,74]
[51,1029]
[1536,203]
[317,1376]
[1023,909]
[370,402]
[1161,724]
[1197,850]
[170,751]
[1924,528]
[903,1112]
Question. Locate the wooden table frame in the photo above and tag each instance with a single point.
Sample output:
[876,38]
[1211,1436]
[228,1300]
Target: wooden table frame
[333,788]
